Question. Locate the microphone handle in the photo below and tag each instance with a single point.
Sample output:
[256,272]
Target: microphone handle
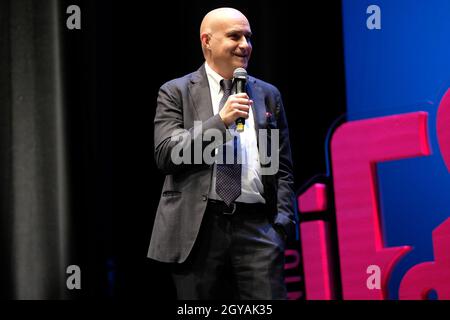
[240,88]
[240,124]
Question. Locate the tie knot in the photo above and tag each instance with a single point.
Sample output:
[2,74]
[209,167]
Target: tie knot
[226,85]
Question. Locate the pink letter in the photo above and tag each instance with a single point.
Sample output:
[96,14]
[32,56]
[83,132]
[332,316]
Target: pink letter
[443,128]
[424,277]
[316,260]
[356,147]
[313,199]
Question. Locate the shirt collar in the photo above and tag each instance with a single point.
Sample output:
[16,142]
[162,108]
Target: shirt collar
[214,79]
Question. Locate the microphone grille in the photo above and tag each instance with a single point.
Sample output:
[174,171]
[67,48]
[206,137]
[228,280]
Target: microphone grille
[240,73]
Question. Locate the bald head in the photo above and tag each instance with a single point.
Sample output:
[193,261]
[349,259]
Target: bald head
[215,18]
[225,36]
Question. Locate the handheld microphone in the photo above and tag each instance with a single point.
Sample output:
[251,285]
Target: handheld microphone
[240,79]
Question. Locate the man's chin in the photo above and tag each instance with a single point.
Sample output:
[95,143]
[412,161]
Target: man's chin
[241,65]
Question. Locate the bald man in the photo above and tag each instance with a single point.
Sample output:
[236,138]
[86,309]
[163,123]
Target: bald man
[222,227]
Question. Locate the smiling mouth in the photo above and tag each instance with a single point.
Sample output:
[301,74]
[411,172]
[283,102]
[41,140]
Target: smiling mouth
[241,56]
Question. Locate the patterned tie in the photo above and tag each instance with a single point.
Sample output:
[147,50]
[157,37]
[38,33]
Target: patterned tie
[228,176]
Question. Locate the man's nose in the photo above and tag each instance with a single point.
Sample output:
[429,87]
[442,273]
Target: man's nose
[244,43]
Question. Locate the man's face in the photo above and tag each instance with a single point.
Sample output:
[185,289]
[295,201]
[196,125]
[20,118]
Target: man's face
[230,45]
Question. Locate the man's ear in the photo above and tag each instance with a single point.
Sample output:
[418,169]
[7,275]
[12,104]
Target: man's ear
[205,38]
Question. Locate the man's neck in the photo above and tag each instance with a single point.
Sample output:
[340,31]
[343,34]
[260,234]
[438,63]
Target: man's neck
[225,75]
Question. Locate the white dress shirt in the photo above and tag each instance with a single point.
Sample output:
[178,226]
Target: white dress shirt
[252,187]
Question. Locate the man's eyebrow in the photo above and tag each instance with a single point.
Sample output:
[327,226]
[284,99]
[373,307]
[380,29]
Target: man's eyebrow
[234,31]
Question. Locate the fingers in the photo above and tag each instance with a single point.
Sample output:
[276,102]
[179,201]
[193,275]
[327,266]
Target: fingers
[237,106]
[241,101]
[241,114]
[241,95]
[240,110]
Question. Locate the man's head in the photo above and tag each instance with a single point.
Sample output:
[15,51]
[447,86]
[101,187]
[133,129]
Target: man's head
[225,35]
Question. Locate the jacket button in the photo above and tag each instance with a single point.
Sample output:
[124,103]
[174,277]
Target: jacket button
[204,198]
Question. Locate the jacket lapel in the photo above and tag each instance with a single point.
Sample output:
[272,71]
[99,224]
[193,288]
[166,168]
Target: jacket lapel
[259,107]
[200,94]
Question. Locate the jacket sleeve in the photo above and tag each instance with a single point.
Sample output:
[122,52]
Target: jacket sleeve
[178,149]
[286,215]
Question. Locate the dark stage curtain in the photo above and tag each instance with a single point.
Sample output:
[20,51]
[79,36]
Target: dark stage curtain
[54,146]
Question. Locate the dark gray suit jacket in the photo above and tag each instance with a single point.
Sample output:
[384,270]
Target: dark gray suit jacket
[186,187]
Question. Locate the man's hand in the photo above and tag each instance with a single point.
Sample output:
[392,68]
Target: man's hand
[237,106]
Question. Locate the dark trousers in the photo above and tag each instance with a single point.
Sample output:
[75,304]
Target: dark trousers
[239,256]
